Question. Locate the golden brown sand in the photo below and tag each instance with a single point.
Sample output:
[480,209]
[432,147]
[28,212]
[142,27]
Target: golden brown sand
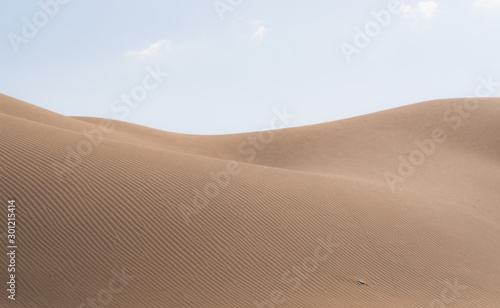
[111,214]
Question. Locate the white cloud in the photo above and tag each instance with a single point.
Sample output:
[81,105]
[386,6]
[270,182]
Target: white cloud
[422,10]
[488,3]
[259,34]
[427,9]
[153,50]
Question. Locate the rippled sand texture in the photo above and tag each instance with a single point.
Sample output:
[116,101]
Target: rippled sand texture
[112,214]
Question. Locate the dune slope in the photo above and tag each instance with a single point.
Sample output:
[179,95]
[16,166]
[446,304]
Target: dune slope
[111,214]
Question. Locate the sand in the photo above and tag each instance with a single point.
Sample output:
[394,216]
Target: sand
[111,214]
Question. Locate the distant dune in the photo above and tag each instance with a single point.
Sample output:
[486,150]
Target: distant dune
[399,208]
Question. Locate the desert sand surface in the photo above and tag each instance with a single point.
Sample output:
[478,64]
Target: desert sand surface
[111,214]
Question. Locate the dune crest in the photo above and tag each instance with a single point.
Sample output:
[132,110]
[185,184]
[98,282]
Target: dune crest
[398,208]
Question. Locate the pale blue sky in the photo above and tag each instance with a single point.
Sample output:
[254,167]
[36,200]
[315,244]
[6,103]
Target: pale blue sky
[227,74]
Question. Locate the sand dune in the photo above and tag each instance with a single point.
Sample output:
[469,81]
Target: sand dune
[111,214]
